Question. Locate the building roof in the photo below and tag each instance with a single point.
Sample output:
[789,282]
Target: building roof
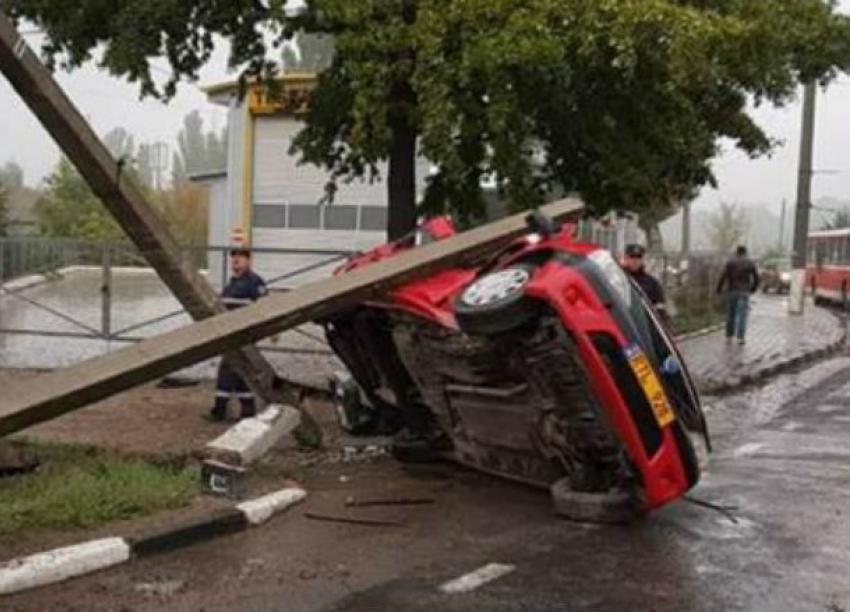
[834,233]
[222,93]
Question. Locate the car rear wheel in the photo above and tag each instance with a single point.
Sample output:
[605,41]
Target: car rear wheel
[496,303]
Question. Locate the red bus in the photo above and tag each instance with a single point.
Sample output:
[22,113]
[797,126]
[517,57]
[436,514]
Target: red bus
[828,268]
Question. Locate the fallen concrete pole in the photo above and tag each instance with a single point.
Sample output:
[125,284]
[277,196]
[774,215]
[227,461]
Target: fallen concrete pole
[51,395]
[139,220]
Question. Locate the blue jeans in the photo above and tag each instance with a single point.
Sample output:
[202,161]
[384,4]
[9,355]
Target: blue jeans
[736,314]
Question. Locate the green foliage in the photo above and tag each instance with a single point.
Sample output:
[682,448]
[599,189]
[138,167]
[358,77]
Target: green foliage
[308,53]
[79,488]
[839,220]
[198,151]
[621,101]
[727,227]
[12,176]
[69,209]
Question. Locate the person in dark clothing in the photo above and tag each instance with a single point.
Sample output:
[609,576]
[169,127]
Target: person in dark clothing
[244,287]
[634,266]
[741,279]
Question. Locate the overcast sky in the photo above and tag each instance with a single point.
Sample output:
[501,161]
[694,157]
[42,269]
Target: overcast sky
[108,102]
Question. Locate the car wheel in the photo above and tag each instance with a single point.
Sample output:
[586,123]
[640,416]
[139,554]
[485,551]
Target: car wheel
[496,302]
[616,506]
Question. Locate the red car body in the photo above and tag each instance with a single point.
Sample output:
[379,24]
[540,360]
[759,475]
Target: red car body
[623,349]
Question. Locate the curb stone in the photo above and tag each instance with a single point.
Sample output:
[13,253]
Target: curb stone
[61,564]
[699,333]
[718,387]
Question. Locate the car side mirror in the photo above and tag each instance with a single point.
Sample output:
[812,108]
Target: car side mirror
[539,223]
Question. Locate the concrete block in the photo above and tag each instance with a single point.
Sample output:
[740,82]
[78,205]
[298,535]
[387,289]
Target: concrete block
[252,438]
[258,511]
[219,478]
[62,563]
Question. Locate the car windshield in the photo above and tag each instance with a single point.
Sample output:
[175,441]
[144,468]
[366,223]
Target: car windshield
[660,349]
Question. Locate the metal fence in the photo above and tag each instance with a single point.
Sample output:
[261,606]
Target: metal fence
[80,292]
[691,288]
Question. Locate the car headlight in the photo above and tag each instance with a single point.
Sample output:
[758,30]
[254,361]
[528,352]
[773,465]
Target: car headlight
[785,277]
[613,273]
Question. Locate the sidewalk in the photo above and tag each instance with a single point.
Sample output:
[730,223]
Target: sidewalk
[775,341]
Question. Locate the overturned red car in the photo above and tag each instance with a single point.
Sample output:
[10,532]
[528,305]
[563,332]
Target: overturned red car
[545,365]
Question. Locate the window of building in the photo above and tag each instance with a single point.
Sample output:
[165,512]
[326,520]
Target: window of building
[373,218]
[341,217]
[266,215]
[305,216]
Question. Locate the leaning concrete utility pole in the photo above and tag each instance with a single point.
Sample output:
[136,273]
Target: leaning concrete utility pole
[43,95]
[796,299]
[51,395]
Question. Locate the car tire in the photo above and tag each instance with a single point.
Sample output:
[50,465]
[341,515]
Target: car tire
[616,506]
[496,302]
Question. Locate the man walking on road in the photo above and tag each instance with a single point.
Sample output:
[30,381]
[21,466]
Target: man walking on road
[245,287]
[741,278]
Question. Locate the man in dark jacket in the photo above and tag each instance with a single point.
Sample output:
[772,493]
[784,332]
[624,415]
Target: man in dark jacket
[245,287]
[651,287]
[741,278]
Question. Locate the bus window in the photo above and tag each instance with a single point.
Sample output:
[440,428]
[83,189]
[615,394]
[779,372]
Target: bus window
[820,253]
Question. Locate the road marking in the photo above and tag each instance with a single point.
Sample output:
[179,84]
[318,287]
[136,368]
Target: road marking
[479,577]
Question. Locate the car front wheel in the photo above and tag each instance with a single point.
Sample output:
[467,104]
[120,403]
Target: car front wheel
[496,303]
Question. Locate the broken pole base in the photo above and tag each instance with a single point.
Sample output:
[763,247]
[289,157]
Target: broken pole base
[15,460]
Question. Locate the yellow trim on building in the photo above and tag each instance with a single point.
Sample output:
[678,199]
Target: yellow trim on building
[289,95]
[248,175]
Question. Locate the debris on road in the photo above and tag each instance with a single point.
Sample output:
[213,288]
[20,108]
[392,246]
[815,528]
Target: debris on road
[353,502]
[351,520]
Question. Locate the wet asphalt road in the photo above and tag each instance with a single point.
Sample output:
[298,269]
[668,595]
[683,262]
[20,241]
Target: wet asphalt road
[782,459]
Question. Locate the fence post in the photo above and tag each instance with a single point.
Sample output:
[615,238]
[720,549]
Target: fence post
[106,292]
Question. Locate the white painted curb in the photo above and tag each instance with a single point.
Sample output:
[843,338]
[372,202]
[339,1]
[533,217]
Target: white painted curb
[258,511]
[62,563]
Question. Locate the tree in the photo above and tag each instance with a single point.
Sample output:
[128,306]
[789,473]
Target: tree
[310,53]
[727,227]
[839,220]
[12,176]
[198,151]
[621,101]
[69,209]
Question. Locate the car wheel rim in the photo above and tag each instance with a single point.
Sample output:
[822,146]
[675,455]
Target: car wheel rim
[496,287]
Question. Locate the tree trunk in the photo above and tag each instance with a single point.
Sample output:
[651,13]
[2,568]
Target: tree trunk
[401,182]
[654,237]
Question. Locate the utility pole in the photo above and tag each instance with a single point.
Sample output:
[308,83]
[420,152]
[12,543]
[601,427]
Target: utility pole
[36,86]
[781,242]
[804,202]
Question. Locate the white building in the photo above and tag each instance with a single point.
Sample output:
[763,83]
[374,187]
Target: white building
[264,193]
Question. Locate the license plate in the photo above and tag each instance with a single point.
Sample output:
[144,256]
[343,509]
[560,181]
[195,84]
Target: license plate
[648,380]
